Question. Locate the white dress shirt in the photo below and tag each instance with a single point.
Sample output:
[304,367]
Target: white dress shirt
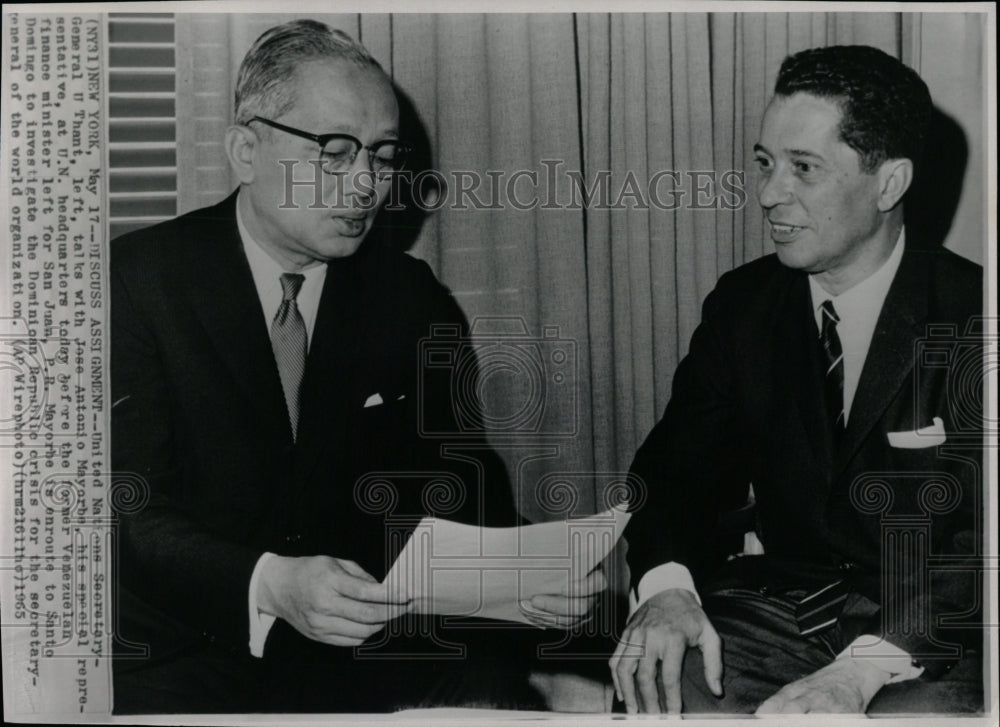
[858,309]
[267,272]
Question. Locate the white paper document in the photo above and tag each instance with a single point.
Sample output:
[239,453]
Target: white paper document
[451,569]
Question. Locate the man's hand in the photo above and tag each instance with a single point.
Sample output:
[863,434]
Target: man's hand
[659,633]
[844,686]
[569,609]
[326,599]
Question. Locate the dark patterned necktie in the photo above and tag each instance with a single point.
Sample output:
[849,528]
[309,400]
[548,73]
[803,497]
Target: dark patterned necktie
[833,379]
[288,339]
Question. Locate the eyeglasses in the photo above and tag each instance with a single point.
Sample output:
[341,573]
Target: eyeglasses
[338,151]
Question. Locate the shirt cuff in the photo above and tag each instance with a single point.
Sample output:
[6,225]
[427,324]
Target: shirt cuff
[660,578]
[260,623]
[883,655]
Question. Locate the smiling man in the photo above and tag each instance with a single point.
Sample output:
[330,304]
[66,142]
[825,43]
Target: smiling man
[264,364]
[806,379]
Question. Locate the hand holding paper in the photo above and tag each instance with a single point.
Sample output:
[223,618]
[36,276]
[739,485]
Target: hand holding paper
[326,599]
[566,610]
[539,574]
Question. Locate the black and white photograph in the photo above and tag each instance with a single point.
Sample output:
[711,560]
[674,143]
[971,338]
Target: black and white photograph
[453,362]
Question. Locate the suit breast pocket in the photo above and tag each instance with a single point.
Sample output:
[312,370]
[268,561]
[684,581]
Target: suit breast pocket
[932,435]
[378,406]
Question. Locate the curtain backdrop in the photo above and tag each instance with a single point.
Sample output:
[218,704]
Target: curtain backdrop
[603,301]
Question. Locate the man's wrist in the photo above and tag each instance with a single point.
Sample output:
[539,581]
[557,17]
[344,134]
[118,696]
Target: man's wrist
[661,578]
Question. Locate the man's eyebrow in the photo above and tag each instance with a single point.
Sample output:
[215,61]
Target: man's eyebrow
[804,153]
[791,152]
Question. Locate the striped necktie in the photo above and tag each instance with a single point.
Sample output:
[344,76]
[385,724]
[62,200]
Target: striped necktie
[833,379]
[819,610]
[288,339]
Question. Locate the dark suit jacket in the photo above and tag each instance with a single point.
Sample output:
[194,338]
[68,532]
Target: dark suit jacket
[747,407]
[200,416]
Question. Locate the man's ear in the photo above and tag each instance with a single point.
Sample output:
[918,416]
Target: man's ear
[894,178]
[241,148]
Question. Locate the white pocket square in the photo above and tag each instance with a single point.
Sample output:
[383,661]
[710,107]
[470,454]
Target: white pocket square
[373,400]
[931,436]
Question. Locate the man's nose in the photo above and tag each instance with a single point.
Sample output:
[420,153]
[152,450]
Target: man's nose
[358,180]
[773,189]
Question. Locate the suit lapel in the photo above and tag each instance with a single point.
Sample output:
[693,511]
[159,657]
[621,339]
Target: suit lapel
[223,296]
[797,367]
[890,356]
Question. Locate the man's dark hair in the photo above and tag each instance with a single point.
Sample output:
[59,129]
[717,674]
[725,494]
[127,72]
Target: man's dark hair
[885,105]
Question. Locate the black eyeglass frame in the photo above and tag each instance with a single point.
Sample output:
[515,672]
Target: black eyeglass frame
[324,139]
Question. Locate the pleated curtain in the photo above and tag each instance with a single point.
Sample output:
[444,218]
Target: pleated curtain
[604,301]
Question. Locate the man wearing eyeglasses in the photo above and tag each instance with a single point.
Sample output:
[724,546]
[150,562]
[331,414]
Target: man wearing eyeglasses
[264,365]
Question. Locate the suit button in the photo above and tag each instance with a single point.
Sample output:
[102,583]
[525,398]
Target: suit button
[848,566]
[293,538]
[764,590]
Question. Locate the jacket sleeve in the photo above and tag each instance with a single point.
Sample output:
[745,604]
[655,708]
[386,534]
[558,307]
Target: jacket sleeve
[165,557]
[692,465]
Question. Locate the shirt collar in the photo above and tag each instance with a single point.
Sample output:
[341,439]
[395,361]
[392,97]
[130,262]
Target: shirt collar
[265,269]
[865,299]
